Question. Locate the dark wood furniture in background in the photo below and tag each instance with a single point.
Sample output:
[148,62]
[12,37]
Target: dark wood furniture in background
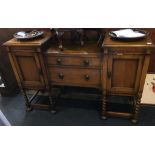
[76,32]
[60,32]
[41,65]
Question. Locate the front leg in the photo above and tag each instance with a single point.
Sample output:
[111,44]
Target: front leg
[52,103]
[137,102]
[104,107]
[27,103]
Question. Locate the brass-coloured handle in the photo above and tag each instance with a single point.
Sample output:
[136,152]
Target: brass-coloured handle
[61,76]
[87,77]
[86,62]
[59,61]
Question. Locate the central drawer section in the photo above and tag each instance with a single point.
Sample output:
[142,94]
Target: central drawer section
[74,69]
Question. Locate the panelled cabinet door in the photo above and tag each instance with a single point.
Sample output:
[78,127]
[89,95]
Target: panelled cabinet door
[123,73]
[28,68]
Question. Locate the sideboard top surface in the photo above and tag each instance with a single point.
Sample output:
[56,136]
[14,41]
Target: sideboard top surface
[36,42]
[146,42]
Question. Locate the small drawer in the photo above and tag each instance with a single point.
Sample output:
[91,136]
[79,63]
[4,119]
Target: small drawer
[74,61]
[75,77]
[24,48]
[126,50]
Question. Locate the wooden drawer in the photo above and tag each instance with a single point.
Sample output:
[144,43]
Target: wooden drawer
[74,61]
[127,50]
[75,77]
[25,48]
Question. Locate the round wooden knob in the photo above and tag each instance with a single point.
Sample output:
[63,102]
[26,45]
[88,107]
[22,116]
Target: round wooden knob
[87,77]
[86,62]
[61,76]
[59,61]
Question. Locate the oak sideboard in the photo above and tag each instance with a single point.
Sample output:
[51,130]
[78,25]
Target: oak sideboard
[114,67]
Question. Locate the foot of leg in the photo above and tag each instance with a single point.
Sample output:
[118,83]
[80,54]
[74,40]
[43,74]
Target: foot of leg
[103,117]
[28,109]
[53,111]
[134,121]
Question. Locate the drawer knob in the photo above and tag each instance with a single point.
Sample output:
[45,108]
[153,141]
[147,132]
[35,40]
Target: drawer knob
[87,77]
[86,62]
[61,76]
[59,61]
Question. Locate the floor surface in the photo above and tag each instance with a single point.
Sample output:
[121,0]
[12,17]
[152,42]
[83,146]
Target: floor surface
[70,113]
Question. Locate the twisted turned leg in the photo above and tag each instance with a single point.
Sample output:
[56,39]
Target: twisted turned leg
[104,106]
[27,103]
[137,101]
[52,103]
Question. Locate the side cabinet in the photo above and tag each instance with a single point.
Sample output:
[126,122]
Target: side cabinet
[29,66]
[124,69]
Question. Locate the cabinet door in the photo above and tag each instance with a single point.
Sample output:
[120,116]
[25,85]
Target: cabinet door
[28,67]
[123,73]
